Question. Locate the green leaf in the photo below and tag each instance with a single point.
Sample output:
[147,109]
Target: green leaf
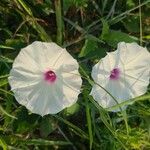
[90,45]
[47,126]
[5,113]
[15,43]
[78,3]
[3,144]
[114,37]
[6,47]
[5,59]
[3,82]
[72,110]
[130,3]
[27,9]
[66,5]
[132,24]
[105,29]
[25,122]
[41,31]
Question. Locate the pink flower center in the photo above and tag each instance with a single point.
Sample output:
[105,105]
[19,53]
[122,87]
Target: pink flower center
[50,76]
[115,74]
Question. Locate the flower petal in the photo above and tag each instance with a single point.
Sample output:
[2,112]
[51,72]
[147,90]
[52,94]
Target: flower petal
[133,61]
[28,83]
[117,89]
[132,53]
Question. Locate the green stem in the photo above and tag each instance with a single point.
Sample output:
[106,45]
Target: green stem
[59,21]
[140,23]
[88,117]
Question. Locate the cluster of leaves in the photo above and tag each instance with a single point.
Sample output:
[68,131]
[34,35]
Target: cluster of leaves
[89,29]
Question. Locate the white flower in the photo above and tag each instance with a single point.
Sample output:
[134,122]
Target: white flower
[124,73]
[45,78]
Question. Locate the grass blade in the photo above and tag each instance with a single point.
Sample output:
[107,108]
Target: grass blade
[45,142]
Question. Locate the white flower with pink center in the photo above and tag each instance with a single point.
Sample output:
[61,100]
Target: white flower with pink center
[124,73]
[45,78]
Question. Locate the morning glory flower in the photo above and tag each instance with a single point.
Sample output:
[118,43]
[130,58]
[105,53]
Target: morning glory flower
[124,73]
[45,78]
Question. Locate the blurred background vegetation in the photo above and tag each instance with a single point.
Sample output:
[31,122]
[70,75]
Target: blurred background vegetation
[87,29]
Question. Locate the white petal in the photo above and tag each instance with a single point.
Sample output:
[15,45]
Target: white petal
[45,99]
[132,53]
[137,82]
[28,84]
[65,60]
[116,89]
[134,64]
